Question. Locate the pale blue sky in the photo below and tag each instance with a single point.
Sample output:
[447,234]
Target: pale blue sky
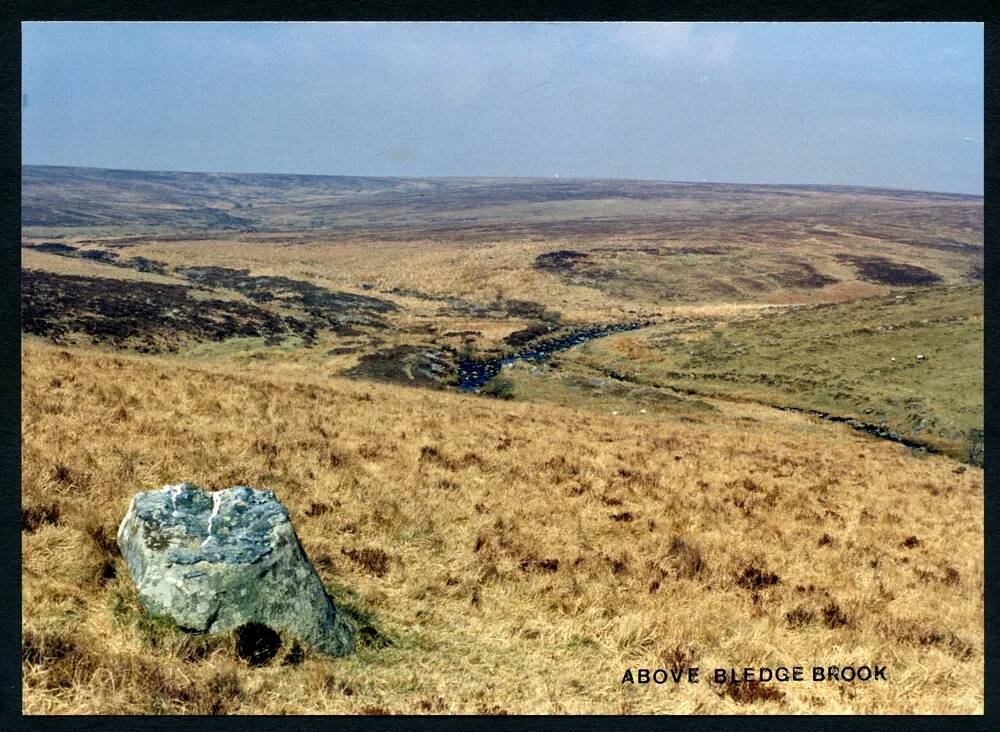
[883,104]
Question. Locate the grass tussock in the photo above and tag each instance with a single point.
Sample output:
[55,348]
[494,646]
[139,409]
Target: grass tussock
[489,569]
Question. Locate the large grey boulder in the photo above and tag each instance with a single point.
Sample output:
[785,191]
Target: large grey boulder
[216,561]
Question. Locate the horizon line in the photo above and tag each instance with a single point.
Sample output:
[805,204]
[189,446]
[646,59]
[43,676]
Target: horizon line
[514,177]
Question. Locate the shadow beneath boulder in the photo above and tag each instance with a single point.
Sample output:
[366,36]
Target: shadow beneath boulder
[256,643]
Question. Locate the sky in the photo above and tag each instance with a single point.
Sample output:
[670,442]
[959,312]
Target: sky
[895,105]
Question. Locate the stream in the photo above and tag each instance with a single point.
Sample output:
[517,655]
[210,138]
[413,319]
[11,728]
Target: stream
[473,373]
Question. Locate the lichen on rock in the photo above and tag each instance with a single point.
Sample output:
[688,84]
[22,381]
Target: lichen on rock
[214,562]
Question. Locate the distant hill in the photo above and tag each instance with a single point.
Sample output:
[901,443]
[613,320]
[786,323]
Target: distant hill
[145,201]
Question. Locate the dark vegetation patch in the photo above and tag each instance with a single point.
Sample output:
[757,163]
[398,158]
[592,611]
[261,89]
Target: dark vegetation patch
[756,578]
[41,647]
[527,309]
[499,387]
[834,616]
[975,273]
[375,561]
[98,255]
[944,245]
[886,272]
[677,658]
[802,275]
[104,538]
[142,264]
[618,565]
[296,655]
[599,272]
[660,272]
[51,247]
[461,333]
[339,350]
[317,509]
[337,310]
[920,634]
[60,472]
[747,692]
[147,265]
[33,517]
[800,617]
[561,260]
[147,316]
[568,261]
[535,564]
[526,335]
[404,364]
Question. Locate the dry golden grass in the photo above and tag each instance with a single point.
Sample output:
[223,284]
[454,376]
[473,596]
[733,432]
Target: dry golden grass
[522,556]
[483,269]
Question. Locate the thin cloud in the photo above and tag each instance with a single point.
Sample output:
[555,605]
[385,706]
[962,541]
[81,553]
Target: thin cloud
[680,42]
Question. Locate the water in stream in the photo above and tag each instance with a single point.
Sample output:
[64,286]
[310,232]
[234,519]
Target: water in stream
[473,374]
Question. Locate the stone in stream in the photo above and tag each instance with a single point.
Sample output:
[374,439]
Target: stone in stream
[219,561]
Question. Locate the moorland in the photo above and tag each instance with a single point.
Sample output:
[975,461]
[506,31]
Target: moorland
[725,425]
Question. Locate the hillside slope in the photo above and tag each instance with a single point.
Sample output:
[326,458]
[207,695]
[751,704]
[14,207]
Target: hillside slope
[491,569]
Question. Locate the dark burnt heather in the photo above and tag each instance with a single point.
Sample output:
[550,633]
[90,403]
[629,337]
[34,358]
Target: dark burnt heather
[802,275]
[886,272]
[526,335]
[52,247]
[711,271]
[263,288]
[144,315]
[405,364]
[142,264]
[340,311]
[562,260]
